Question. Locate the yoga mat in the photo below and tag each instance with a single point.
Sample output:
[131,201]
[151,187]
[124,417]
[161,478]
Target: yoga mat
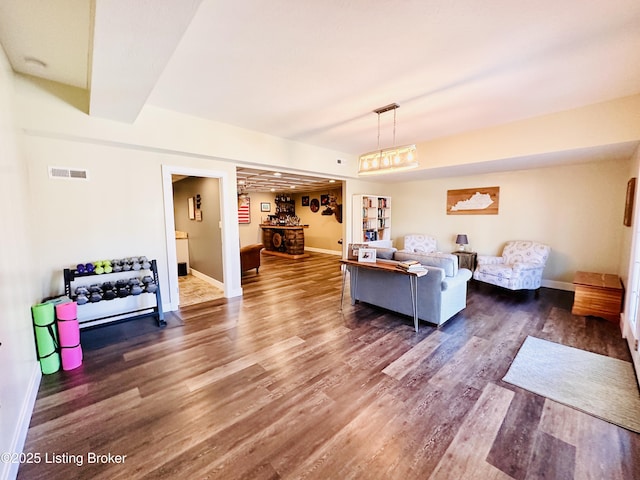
[46,338]
[69,334]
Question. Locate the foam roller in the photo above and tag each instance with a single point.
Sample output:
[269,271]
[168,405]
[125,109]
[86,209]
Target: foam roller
[69,334]
[44,324]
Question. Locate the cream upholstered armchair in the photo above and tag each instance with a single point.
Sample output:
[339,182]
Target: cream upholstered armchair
[519,268]
[418,243]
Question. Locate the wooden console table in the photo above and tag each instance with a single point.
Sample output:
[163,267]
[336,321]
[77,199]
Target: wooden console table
[598,294]
[354,266]
[284,240]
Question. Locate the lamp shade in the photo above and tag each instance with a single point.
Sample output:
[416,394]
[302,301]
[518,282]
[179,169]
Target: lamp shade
[462,239]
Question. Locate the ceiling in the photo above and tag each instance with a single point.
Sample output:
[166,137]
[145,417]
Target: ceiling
[315,71]
[254,180]
[251,180]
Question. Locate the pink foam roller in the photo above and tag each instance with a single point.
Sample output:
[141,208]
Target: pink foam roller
[71,357]
[69,335]
[67,311]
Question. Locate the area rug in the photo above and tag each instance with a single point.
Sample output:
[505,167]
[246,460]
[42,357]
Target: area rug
[601,386]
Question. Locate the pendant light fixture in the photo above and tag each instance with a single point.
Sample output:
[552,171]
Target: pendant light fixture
[388,160]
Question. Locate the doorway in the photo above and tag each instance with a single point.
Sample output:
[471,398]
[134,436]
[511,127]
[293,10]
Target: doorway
[215,209]
[197,219]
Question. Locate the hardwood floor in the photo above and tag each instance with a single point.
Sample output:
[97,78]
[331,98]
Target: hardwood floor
[281,383]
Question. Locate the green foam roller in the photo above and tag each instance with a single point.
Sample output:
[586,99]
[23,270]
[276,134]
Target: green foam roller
[46,337]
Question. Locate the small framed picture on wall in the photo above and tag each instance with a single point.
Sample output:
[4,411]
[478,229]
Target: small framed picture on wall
[305,201]
[265,206]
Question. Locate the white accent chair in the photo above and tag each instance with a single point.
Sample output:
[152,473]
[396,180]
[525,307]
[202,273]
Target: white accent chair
[519,268]
[418,243]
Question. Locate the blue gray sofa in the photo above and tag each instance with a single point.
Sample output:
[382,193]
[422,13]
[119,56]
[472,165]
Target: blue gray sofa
[442,292]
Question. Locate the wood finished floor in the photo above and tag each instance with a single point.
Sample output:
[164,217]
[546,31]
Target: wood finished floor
[283,384]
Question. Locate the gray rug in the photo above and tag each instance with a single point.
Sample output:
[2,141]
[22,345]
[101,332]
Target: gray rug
[601,386]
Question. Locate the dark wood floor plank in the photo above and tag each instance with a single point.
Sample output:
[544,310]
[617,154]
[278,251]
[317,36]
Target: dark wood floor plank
[552,458]
[286,383]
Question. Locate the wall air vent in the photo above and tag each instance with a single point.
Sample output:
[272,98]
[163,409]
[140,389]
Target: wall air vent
[69,173]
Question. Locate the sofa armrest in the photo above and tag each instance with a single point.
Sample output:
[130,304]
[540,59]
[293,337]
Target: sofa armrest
[489,260]
[463,276]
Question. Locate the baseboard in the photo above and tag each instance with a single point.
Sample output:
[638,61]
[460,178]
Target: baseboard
[10,470]
[322,250]
[569,287]
[207,279]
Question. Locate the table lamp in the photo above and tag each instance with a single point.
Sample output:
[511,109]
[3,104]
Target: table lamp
[462,240]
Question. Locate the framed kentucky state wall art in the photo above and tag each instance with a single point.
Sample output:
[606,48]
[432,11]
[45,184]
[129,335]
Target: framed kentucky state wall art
[473,201]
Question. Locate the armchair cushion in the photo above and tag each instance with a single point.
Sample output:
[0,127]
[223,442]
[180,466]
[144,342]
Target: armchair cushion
[419,243]
[520,266]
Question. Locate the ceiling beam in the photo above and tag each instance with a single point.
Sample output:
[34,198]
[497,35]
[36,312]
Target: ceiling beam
[132,43]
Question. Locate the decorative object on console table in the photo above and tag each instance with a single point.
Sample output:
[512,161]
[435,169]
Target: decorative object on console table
[466,259]
[462,240]
[598,294]
[367,255]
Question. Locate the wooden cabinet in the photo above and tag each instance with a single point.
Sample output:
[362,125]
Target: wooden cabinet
[371,218]
[466,259]
[598,294]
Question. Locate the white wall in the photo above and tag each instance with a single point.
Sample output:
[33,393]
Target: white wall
[629,258]
[576,209]
[118,213]
[20,370]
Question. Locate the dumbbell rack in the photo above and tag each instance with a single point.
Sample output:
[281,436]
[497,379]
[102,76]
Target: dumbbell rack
[124,315]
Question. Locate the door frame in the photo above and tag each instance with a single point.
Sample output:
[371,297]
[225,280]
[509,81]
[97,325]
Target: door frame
[229,230]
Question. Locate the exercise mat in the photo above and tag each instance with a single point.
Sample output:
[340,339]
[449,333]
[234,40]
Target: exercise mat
[46,338]
[69,334]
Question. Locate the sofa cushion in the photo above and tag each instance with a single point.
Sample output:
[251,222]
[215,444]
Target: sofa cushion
[447,261]
[385,253]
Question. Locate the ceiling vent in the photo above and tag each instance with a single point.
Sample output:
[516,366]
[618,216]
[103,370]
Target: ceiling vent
[69,173]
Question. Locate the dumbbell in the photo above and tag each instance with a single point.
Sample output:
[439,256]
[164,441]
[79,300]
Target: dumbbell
[80,268]
[98,268]
[81,290]
[109,295]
